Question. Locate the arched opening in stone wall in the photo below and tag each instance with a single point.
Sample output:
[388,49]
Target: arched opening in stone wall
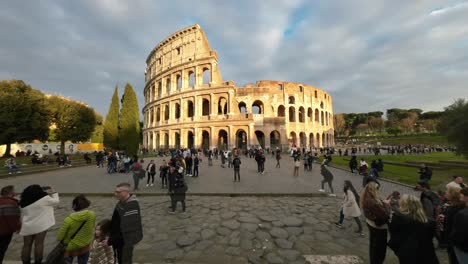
[275,139]
[150,145]
[222,106]
[241,139]
[310,114]
[291,100]
[281,111]
[222,139]
[159,89]
[257,107]
[151,116]
[301,89]
[166,112]
[166,140]
[321,105]
[179,82]
[205,140]
[292,114]
[206,107]
[176,140]
[317,115]
[326,118]
[177,111]
[311,140]
[316,94]
[168,85]
[190,109]
[303,139]
[261,138]
[206,76]
[242,108]
[153,94]
[191,75]
[158,114]
[190,140]
[292,139]
[317,139]
[322,119]
[301,114]
[158,143]
[323,140]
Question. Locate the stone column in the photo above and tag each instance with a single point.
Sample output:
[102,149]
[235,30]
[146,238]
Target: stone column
[196,82]
[230,137]
[213,141]
[230,99]
[251,135]
[183,138]
[196,138]
[211,105]
[171,138]
[145,140]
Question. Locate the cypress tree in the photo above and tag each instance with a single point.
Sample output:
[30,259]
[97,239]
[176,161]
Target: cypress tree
[129,134]
[111,125]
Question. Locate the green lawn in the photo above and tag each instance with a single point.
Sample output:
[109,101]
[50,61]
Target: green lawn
[404,140]
[410,175]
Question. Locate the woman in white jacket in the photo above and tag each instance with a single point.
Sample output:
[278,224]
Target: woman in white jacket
[37,216]
[350,207]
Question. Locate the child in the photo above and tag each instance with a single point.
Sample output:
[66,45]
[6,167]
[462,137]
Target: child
[100,252]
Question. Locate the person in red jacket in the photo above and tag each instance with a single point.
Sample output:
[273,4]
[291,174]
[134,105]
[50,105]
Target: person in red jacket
[10,218]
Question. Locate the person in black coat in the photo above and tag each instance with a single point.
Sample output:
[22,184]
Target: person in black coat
[177,188]
[411,233]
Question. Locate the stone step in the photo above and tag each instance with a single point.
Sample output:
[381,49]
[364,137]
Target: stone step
[335,259]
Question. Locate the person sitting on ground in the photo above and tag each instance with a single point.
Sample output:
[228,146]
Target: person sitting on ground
[458,237]
[456,183]
[12,166]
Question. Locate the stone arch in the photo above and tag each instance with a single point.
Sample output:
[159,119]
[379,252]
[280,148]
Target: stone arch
[316,94]
[179,82]
[191,79]
[326,118]
[223,137]
[206,75]
[205,139]
[241,139]
[177,140]
[158,114]
[242,108]
[302,139]
[151,141]
[190,109]
[166,140]
[311,140]
[166,112]
[168,85]
[176,110]
[292,114]
[151,116]
[292,139]
[260,138]
[275,139]
[291,100]
[323,140]
[205,107]
[190,140]
[317,115]
[310,114]
[222,106]
[158,143]
[301,114]
[317,139]
[322,119]
[321,105]
[159,89]
[257,107]
[301,89]
[281,111]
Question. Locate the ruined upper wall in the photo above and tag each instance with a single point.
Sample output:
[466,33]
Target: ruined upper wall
[185,48]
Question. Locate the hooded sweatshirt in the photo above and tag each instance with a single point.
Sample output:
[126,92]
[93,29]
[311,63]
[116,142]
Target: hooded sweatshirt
[71,224]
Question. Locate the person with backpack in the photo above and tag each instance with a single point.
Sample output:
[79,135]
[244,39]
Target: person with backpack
[350,206]
[177,188]
[236,162]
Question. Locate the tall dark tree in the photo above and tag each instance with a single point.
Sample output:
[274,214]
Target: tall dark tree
[24,115]
[111,124]
[74,121]
[129,133]
[454,124]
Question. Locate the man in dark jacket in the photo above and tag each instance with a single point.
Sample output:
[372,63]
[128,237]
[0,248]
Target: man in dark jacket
[10,218]
[236,162]
[196,162]
[459,233]
[126,228]
[177,188]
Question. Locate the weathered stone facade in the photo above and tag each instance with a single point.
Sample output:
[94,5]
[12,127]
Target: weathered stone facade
[187,104]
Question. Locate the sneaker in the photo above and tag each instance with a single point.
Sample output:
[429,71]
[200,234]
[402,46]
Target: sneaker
[151,185]
[184,212]
[321,190]
[359,232]
[171,212]
[9,173]
[338,225]
[332,195]
[147,185]
[263,172]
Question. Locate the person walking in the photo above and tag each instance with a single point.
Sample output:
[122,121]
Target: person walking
[377,213]
[278,158]
[126,228]
[163,173]
[350,206]
[236,162]
[151,171]
[37,216]
[327,178]
[77,231]
[138,172]
[458,237]
[411,233]
[353,164]
[10,218]
[297,164]
[196,163]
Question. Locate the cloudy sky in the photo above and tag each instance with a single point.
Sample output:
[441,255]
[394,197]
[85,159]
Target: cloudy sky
[370,55]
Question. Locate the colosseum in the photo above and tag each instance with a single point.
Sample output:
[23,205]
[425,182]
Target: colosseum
[188,105]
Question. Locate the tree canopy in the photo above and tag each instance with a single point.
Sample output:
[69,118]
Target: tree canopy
[24,115]
[454,124]
[129,133]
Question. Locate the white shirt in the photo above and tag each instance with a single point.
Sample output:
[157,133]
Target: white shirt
[38,216]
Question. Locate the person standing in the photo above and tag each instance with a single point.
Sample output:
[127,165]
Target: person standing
[327,178]
[278,158]
[177,188]
[37,210]
[377,213]
[297,164]
[163,172]
[126,227]
[353,164]
[210,158]
[101,252]
[411,233]
[151,169]
[10,218]
[236,162]
[459,235]
[350,206]
[188,164]
[137,169]
[196,162]
[77,231]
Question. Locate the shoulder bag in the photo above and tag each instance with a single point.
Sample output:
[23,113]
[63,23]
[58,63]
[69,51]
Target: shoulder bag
[57,255]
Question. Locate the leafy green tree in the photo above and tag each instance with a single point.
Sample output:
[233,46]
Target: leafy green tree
[129,133]
[73,121]
[23,114]
[111,125]
[98,134]
[394,130]
[454,124]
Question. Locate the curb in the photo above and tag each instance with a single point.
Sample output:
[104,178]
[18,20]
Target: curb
[4,176]
[206,194]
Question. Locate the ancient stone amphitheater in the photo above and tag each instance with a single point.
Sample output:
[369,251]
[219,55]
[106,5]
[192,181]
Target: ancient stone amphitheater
[187,103]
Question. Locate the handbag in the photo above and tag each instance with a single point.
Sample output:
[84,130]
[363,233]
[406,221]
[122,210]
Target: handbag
[57,255]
